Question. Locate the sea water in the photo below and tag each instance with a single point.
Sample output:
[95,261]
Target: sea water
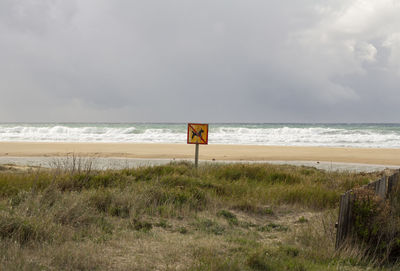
[282,134]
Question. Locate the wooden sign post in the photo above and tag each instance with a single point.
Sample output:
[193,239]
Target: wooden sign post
[197,134]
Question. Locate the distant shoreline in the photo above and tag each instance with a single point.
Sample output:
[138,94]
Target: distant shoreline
[371,156]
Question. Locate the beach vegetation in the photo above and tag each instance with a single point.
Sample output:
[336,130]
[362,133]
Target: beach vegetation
[177,217]
[376,225]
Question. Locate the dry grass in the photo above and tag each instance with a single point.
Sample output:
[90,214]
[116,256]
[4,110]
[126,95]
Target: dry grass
[173,217]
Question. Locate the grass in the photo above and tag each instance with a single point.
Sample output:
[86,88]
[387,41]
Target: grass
[174,217]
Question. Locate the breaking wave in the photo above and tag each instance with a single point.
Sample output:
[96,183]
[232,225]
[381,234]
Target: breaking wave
[333,135]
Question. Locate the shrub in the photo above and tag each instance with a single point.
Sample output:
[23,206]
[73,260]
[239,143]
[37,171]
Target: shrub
[376,224]
[302,220]
[22,230]
[140,225]
[19,198]
[209,226]
[369,211]
[250,207]
[260,260]
[75,214]
[110,202]
[230,217]
[272,227]
[101,200]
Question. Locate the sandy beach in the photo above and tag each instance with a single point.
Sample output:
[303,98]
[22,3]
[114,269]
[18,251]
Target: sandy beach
[207,152]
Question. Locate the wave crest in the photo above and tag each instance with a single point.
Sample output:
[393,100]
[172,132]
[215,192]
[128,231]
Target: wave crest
[281,135]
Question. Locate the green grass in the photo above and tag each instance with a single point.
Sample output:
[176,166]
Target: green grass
[174,217]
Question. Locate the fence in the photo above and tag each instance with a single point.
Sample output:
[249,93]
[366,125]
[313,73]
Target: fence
[382,187]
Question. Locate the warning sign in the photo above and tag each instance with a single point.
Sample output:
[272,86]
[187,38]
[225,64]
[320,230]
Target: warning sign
[197,133]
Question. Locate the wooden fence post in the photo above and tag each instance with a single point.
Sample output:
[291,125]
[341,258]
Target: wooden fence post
[344,218]
[392,182]
[380,188]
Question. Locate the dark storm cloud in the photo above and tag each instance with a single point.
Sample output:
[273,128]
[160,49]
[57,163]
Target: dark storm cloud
[261,61]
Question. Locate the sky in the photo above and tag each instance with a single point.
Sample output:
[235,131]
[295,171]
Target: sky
[200,61]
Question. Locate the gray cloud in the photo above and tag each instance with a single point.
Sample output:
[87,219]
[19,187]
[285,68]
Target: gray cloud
[261,61]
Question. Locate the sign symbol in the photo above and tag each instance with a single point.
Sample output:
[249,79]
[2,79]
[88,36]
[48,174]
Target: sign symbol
[197,134]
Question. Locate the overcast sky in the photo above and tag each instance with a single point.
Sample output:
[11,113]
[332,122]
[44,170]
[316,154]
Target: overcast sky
[209,60]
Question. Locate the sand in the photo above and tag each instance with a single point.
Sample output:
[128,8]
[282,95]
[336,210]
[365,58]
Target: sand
[390,157]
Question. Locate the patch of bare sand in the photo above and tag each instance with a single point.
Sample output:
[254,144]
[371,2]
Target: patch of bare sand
[17,168]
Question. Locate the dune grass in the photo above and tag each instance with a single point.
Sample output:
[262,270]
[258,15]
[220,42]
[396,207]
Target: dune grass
[174,217]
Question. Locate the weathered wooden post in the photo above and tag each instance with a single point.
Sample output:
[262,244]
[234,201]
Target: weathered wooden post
[380,188]
[392,182]
[196,156]
[343,226]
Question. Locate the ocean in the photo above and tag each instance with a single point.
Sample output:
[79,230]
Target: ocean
[282,134]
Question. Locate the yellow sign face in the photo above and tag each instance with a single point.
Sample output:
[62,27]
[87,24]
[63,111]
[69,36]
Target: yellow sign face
[197,133]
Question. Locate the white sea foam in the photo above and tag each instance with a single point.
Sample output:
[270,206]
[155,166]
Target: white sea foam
[381,136]
[307,137]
